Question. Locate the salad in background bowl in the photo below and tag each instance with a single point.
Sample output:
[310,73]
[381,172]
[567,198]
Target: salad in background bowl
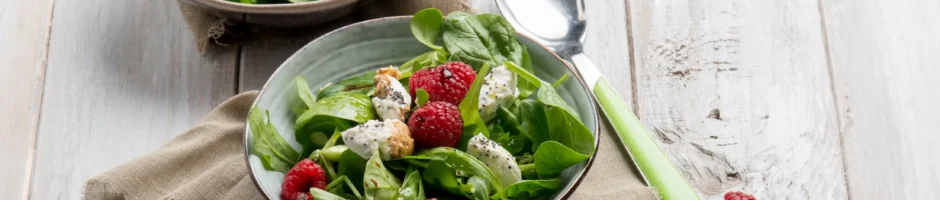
[455,107]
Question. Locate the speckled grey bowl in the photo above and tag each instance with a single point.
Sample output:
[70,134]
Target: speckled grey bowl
[373,44]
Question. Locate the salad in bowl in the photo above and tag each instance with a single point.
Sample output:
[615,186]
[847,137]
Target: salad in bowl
[467,119]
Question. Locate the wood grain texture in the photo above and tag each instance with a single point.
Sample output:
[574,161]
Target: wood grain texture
[24,28]
[123,78]
[606,44]
[886,70]
[738,93]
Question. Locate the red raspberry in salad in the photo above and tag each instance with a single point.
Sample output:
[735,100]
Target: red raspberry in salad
[436,124]
[448,82]
[304,175]
[738,196]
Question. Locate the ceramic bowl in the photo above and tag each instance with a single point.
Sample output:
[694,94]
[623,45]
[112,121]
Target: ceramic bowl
[367,46]
[281,15]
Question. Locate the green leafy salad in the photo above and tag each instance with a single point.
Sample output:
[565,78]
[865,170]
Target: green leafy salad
[466,120]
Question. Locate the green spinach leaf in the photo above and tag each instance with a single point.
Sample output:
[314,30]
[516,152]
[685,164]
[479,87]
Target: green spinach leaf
[533,122]
[411,189]
[422,97]
[568,130]
[469,107]
[487,38]
[319,194]
[361,84]
[440,175]
[331,113]
[526,88]
[476,188]
[541,123]
[508,120]
[378,181]
[429,59]
[426,26]
[553,157]
[275,153]
[483,38]
[549,96]
[533,187]
[352,166]
[461,161]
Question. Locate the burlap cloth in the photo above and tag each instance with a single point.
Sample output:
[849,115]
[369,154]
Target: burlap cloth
[207,161]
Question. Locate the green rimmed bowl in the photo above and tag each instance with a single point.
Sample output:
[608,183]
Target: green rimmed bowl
[369,45]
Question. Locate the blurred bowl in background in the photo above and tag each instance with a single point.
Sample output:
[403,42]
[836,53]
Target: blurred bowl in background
[282,15]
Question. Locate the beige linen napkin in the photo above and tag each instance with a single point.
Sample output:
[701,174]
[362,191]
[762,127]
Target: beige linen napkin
[207,162]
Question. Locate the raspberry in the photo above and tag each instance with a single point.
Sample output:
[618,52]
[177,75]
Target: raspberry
[738,196]
[300,178]
[436,124]
[448,82]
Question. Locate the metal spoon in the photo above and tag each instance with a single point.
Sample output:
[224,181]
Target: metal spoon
[560,25]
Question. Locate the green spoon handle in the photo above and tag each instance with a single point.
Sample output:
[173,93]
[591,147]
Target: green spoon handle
[651,160]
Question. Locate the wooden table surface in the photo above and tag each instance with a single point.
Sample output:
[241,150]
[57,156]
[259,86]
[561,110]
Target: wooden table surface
[806,99]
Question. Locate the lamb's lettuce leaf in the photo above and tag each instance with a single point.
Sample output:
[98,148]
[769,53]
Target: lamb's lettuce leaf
[378,181]
[275,153]
[533,187]
[352,166]
[412,188]
[303,90]
[469,110]
[319,194]
[362,84]
[455,161]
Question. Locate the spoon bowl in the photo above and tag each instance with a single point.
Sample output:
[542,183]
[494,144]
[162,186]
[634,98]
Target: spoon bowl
[559,25]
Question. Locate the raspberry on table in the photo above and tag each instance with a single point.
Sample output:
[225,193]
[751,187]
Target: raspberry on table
[298,181]
[436,124]
[738,196]
[448,82]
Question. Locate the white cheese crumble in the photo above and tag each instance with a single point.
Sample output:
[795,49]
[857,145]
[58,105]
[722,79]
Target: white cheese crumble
[395,104]
[500,161]
[499,88]
[367,138]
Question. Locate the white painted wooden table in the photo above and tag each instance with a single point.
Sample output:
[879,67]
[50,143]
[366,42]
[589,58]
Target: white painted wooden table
[828,99]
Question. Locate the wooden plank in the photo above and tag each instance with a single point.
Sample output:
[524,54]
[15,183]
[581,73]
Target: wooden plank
[123,78]
[886,73]
[738,93]
[607,46]
[24,28]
